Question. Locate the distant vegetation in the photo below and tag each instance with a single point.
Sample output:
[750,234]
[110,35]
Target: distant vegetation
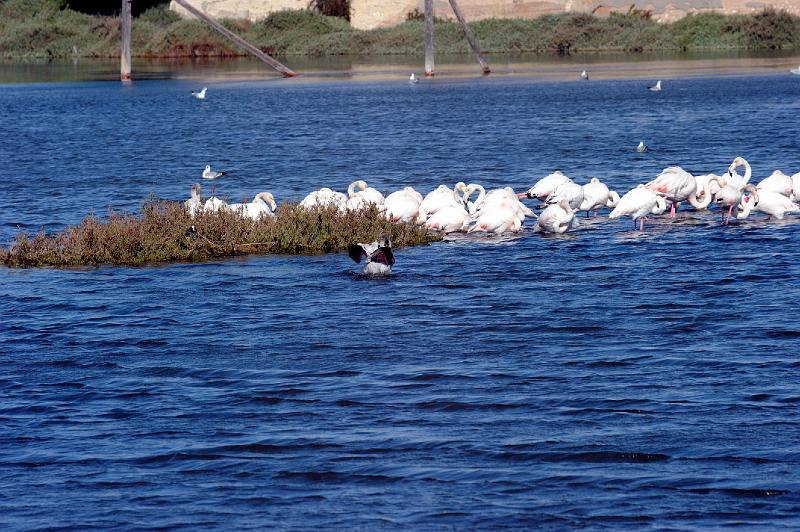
[46,29]
[165,232]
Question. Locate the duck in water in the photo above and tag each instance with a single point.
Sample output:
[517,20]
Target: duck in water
[379,256]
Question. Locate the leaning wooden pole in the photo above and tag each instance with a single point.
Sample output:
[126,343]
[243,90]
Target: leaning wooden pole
[428,38]
[287,72]
[125,47]
[470,36]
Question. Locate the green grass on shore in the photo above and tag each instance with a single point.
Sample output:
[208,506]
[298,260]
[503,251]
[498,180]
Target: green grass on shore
[47,29]
[161,233]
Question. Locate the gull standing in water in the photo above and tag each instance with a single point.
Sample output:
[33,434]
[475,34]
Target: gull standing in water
[208,173]
[200,95]
[656,87]
[379,256]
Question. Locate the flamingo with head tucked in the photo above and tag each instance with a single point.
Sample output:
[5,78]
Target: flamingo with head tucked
[558,217]
[597,195]
[545,186]
[637,204]
[777,182]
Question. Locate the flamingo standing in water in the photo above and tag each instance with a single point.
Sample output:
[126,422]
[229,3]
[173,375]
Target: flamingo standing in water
[442,197]
[637,204]
[677,185]
[449,219]
[773,204]
[545,186]
[570,191]
[729,196]
[597,195]
[777,182]
[558,218]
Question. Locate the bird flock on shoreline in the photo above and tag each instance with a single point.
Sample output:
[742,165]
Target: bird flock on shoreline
[470,208]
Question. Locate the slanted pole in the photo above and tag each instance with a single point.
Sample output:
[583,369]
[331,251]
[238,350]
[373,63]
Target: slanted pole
[470,36]
[428,38]
[287,72]
[125,47]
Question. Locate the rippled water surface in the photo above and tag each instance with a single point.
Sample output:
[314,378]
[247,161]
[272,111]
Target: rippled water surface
[603,379]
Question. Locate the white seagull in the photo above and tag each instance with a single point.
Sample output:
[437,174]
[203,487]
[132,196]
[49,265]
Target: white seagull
[795,70]
[208,173]
[656,87]
[585,75]
[642,147]
[413,78]
[200,95]
[379,256]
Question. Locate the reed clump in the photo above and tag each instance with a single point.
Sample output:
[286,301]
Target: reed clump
[164,232]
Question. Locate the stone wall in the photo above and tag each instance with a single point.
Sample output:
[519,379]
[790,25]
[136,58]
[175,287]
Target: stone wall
[367,14]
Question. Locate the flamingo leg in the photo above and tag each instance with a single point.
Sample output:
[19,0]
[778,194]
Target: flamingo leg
[672,211]
[728,218]
[641,223]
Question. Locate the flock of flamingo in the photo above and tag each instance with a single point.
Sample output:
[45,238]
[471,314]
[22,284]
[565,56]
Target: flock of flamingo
[498,211]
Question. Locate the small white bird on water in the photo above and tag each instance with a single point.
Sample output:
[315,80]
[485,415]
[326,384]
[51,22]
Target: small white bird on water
[585,75]
[795,70]
[379,256]
[642,147]
[208,173]
[200,95]
[656,87]
[413,78]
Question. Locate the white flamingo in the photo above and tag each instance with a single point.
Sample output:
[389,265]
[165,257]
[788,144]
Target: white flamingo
[214,204]
[777,182]
[713,181]
[195,203]
[448,219]
[773,204]
[263,203]
[500,216]
[403,205]
[325,197]
[442,197]
[570,191]
[637,204]
[733,186]
[545,186]
[596,195]
[487,200]
[366,195]
[557,218]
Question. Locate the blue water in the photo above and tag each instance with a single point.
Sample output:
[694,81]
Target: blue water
[605,379]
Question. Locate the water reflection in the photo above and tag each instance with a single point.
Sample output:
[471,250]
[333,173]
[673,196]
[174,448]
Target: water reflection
[540,66]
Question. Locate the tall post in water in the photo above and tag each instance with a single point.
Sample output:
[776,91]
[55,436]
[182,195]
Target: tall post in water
[125,51]
[470,36]
[428,38]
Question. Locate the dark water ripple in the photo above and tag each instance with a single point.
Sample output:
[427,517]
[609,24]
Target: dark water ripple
[605,379]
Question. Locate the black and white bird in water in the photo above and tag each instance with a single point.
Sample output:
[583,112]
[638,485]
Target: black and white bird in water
[378,255]
[585,75]
[642,147]
[656,87]
[200,95]
[208,173]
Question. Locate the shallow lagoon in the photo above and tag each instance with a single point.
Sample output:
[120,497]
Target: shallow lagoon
[604,379]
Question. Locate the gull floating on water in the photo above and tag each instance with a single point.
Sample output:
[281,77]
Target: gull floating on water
[584,75]
[413,78]
[656,87]
[795,70]
[380,258]
[642,147]
[200,95]
[208,173]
